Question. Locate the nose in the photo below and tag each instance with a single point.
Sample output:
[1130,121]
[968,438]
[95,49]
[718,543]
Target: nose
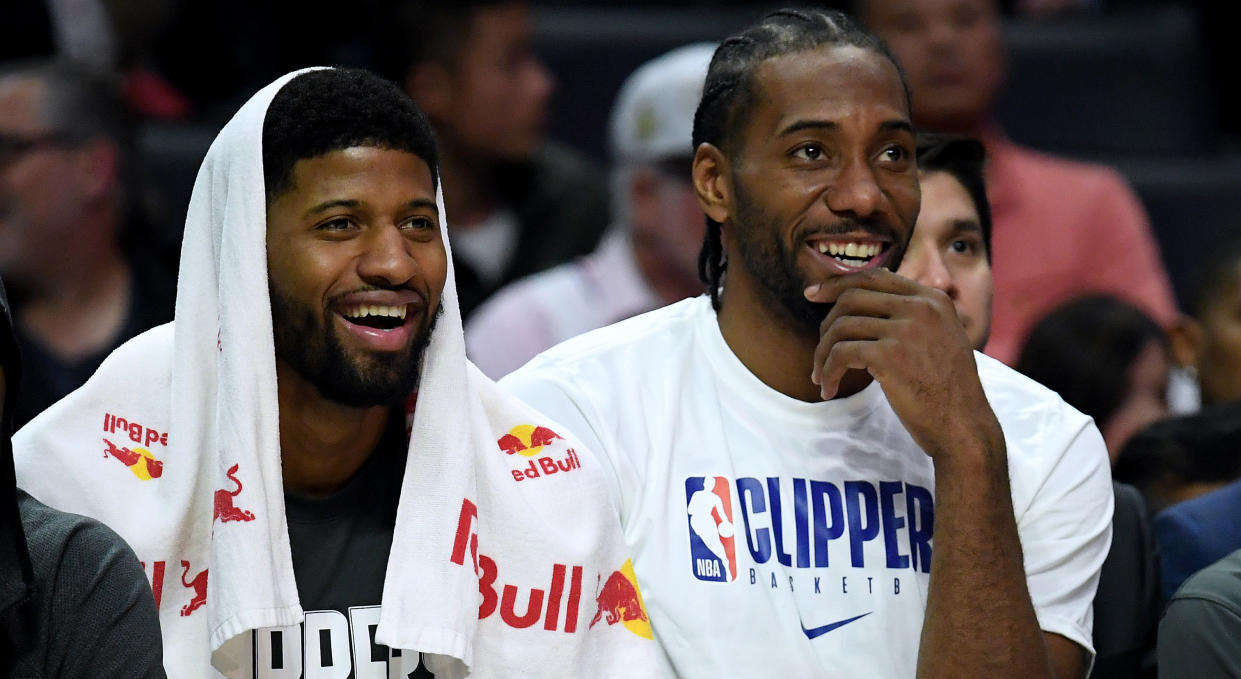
[855,191]
[926,266]
[386,259]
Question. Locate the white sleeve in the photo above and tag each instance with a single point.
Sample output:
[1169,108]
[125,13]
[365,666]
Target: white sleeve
[1063,500]
[542,387]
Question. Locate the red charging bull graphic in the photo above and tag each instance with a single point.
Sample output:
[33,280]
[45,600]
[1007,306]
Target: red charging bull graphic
[709,506]
[139,460]
[529,441]
[620,600]
[198,584]
[225,508]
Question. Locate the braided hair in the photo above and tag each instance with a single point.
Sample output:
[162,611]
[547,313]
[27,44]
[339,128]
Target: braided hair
[728,96]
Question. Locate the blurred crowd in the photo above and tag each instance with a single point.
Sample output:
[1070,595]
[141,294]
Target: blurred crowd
[1099,258]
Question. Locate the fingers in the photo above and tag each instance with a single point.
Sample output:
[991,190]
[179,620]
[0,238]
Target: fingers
[879,280]
[843,357]
[845,329]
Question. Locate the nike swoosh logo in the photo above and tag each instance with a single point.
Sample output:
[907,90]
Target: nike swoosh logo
[820,631]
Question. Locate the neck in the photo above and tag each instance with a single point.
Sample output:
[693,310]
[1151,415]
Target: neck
[774,346]
[469,190]
[322,443]
[80,309]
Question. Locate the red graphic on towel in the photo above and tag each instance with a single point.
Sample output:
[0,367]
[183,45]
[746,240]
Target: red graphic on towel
[139,460]
[198,584]
[526,439]
[225,509]
[618,601]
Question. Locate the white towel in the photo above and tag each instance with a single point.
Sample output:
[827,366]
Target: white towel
[501,514]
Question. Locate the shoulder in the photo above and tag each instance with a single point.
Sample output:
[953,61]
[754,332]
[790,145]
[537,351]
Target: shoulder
[1220,583]
[1218,505]
[59,540]
[1019,399]
[1077,175]
[619,346]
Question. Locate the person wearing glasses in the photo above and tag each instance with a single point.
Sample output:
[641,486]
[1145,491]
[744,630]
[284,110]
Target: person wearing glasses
[67,210]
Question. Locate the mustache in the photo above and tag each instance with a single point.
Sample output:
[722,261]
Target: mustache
[849,225]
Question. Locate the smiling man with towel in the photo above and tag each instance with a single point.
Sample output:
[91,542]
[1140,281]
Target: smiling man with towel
[267,441]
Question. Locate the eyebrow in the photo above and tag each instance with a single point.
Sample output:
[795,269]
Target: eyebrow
[799,125]
[970,225]
[355,204]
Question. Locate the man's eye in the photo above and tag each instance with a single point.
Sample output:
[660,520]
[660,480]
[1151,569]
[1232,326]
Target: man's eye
[894,154]
[809,152]
[338,224]
[962,246]
[421,223]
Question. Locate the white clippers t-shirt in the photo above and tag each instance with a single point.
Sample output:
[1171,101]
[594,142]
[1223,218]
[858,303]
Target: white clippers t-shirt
[778,538]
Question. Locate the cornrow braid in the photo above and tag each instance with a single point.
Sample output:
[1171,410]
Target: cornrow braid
[728,95]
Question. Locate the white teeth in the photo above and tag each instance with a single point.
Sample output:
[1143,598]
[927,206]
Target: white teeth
[364,310]
[852,250]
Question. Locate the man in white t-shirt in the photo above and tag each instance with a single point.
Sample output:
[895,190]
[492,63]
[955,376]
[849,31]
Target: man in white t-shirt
[900,504]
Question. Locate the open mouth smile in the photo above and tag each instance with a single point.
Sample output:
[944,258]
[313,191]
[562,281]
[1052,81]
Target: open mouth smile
[845,255]
[383,324]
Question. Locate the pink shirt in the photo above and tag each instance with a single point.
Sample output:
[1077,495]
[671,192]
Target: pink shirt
[1062,229]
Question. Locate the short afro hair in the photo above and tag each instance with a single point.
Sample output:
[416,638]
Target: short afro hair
[329,110]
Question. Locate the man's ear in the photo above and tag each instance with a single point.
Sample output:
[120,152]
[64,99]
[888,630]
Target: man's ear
[1185,338]
[429,84]
[712,182]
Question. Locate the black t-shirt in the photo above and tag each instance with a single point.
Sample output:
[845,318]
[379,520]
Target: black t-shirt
[340,546]
[91,614]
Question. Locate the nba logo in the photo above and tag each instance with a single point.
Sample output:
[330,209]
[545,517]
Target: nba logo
[709,509]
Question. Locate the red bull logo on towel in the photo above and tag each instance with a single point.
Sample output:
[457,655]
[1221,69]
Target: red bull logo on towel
[531,441]
[620,600]
[135,453]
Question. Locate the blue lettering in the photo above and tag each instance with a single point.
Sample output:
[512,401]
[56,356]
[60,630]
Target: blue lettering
[825,531]
[920,508]
[756,539]
[891,523]
[777,521]
[857,492]
[803,523]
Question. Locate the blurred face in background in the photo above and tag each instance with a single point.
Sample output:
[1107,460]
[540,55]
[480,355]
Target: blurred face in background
[1219,344]
[667,226]
[43,183]
[1144,402]
[952,54]
[947,252]
[492,102]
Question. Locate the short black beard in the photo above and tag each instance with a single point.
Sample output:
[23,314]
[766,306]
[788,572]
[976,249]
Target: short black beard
[314,351]
[766,257]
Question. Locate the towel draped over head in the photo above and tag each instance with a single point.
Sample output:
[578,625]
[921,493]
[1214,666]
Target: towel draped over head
[507,557]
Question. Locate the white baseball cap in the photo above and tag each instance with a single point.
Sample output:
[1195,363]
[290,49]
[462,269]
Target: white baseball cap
[653,118]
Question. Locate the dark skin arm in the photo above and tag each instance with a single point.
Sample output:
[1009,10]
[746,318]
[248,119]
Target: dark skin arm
[979,617]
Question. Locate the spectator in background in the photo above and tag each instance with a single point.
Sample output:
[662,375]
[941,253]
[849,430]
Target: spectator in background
[67,205]
[951,244]
[1208,340]
[650,256]
[1181,458]
[1061,228]
[74,602]
[1105,358]
[1200,628]
[1197,532]
[949,251]
[518,204]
